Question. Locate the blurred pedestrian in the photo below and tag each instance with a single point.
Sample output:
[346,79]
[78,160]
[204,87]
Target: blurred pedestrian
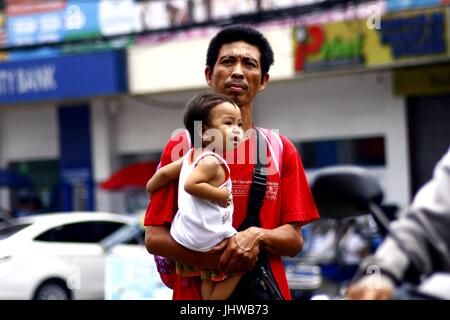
[418,244]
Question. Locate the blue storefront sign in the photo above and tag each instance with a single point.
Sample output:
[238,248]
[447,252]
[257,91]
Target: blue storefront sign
[66,77]
[399,5]
[75,20]
[415,36]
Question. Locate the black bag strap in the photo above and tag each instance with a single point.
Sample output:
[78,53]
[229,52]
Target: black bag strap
[259,183]
[269,289]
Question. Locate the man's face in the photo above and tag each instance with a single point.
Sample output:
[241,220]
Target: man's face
[237,72]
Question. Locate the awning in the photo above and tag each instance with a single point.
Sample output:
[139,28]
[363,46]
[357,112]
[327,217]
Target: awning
[13,179]
[133,176]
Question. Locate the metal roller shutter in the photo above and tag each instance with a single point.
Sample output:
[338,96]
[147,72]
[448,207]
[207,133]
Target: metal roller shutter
[429,132]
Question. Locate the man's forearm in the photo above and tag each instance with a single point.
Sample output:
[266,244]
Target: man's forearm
[285,240]
[158,241]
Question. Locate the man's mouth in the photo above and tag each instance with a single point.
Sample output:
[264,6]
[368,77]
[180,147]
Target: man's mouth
[235,86]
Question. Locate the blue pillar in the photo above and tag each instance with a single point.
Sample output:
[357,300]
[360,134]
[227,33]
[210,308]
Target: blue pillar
[77,183]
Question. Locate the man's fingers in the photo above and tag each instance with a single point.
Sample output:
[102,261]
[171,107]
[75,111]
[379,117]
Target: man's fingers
[224,258]
[218,247]
[361,292]
[232,265]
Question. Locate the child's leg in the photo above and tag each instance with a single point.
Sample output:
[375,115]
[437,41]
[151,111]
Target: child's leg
[207,289]
[222,290]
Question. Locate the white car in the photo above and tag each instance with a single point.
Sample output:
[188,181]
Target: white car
[68,256]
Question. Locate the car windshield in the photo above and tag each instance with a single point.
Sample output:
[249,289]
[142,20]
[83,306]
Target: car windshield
[7,231]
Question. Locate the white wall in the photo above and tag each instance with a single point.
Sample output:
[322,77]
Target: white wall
[28,132]
[146,123]
[179,65]
[355,105]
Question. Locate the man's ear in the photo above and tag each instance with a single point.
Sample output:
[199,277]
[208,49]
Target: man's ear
[208,76]
[264,82]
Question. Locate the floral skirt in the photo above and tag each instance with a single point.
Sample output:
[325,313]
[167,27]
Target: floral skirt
[185,270]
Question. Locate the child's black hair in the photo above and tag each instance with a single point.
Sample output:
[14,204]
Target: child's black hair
[199,108]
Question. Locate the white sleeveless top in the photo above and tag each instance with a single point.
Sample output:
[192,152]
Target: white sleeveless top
[201,224]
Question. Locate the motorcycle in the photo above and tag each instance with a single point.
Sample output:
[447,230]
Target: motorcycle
[341,192]
[333,248]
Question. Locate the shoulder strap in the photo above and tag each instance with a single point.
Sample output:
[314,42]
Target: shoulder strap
[259,184]
[275,146]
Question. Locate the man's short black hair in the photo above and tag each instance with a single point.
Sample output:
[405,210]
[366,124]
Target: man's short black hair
[199,108]
[240,33]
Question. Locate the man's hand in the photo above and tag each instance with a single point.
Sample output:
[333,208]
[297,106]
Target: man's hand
[219,247]
[371,287]
[242,251]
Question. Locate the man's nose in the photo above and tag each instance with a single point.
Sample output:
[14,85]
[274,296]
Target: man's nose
[237,71]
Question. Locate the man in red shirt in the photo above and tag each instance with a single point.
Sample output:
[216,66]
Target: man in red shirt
[237,64]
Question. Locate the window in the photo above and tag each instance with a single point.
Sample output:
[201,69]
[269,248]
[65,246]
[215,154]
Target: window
[12,229]
[84,232]
[356,151]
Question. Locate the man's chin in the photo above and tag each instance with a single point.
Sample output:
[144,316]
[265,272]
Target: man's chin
[237,98]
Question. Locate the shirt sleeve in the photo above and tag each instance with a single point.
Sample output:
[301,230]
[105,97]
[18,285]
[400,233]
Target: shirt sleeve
[297,203]
[163,204]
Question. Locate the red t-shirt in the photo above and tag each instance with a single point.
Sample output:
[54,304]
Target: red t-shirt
[288,199]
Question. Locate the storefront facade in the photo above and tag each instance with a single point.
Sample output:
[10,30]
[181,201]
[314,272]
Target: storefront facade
[45,121]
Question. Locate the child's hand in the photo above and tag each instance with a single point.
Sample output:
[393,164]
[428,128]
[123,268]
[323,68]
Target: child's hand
[226,201]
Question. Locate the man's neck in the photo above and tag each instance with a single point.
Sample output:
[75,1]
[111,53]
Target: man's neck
[247,117]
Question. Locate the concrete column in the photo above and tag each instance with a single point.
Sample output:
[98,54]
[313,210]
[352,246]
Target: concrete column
[105,158]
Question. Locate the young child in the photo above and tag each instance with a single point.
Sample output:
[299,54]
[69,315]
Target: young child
[204,217]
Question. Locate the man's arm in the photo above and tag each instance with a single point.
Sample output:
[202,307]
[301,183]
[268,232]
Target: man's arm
[164,175]
[243,249]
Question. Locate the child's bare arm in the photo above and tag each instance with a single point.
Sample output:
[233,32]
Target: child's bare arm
[197,184]
[164,175]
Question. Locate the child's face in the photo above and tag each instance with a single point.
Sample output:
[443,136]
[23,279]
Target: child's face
[225,126]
